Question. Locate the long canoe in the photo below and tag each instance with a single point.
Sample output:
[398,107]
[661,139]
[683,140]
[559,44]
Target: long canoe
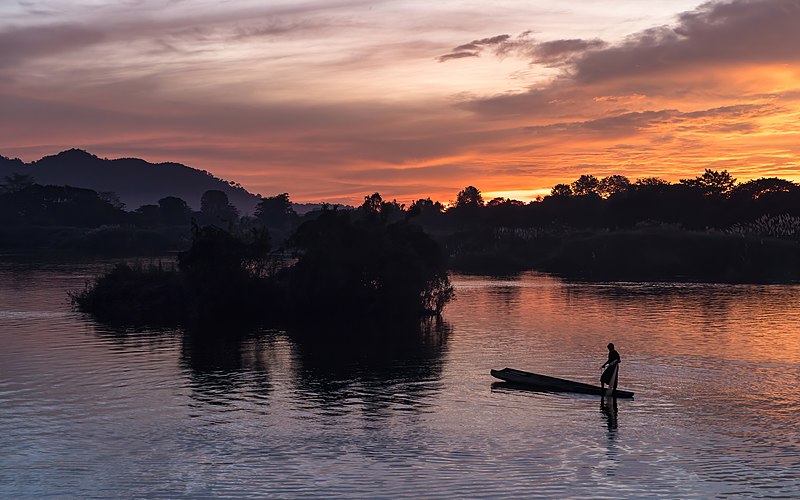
[553,384]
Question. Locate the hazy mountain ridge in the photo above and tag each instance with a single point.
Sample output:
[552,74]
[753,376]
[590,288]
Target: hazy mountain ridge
[137,182]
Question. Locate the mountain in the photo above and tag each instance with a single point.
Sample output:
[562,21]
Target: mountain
[136,182]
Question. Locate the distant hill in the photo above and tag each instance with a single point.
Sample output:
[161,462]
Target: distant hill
[135,181]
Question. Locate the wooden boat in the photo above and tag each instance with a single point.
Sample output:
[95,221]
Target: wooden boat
[552,384]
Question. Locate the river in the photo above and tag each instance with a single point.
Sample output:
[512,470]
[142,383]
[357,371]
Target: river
[91,411]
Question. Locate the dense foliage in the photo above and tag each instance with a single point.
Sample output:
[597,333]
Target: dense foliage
[348,267]
[361,262]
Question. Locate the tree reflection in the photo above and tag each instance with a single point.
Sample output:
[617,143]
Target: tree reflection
[223,367]
[390,366]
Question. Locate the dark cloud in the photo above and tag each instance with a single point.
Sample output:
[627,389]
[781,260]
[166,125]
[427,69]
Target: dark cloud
[473,48]
[550,53]
[720,119]
[759,31]
[691,59]
[558,52]
[456,55]
[479,44]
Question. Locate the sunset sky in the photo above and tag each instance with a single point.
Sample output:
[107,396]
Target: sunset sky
[334,99]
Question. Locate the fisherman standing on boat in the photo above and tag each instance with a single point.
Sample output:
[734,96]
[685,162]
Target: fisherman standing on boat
[610,375]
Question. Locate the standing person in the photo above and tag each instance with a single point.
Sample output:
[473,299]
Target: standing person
[611,372]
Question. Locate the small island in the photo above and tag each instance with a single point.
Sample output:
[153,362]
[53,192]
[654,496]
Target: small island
[342,267]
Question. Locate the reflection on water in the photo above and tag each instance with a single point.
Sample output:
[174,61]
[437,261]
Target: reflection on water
[610,410]
[89,411]
[225,369]
[393,367]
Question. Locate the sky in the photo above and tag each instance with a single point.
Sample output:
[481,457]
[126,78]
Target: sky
[332,100]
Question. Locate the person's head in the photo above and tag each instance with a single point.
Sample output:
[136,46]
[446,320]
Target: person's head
[610,347]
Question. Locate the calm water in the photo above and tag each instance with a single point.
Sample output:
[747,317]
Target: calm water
[86,411]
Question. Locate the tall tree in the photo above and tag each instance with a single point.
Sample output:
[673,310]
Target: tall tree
[470,196]
[215,208]
[758,187]
[276,211]
[613,184]
[563,190]
[585,185]
[712,182]
[173,211]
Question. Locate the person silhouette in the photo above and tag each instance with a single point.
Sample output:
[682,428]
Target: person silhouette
[610,375]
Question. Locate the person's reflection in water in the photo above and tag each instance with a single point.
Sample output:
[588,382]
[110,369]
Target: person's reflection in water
[608,406]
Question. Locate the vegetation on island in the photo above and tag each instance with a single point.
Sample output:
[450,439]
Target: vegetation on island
[344,266]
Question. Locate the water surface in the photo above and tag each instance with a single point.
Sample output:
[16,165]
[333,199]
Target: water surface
[89,411]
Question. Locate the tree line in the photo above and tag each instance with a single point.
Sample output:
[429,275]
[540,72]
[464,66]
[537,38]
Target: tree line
[561,232]
[711,200]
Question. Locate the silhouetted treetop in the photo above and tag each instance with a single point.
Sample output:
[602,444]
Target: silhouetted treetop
[712,182]
[613,184]
[174,211]
[276,212]
[758,187]
[374,206]
[470,196]
[215,209]
[651,182]
[585,185]
[425,207]
[348,264]
[562,190]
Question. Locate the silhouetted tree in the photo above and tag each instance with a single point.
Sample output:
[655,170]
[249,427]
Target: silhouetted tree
[372,203]
[276,212]
[58,205]
[223,271]
[562,190]
[651,182]
[470,196]
[613,184]
[500,201]
[425,207]
[148,216]
[174,211]
[585,185]
[712,182]
[215,208]
[374,206]
[756,188]
[366,265]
